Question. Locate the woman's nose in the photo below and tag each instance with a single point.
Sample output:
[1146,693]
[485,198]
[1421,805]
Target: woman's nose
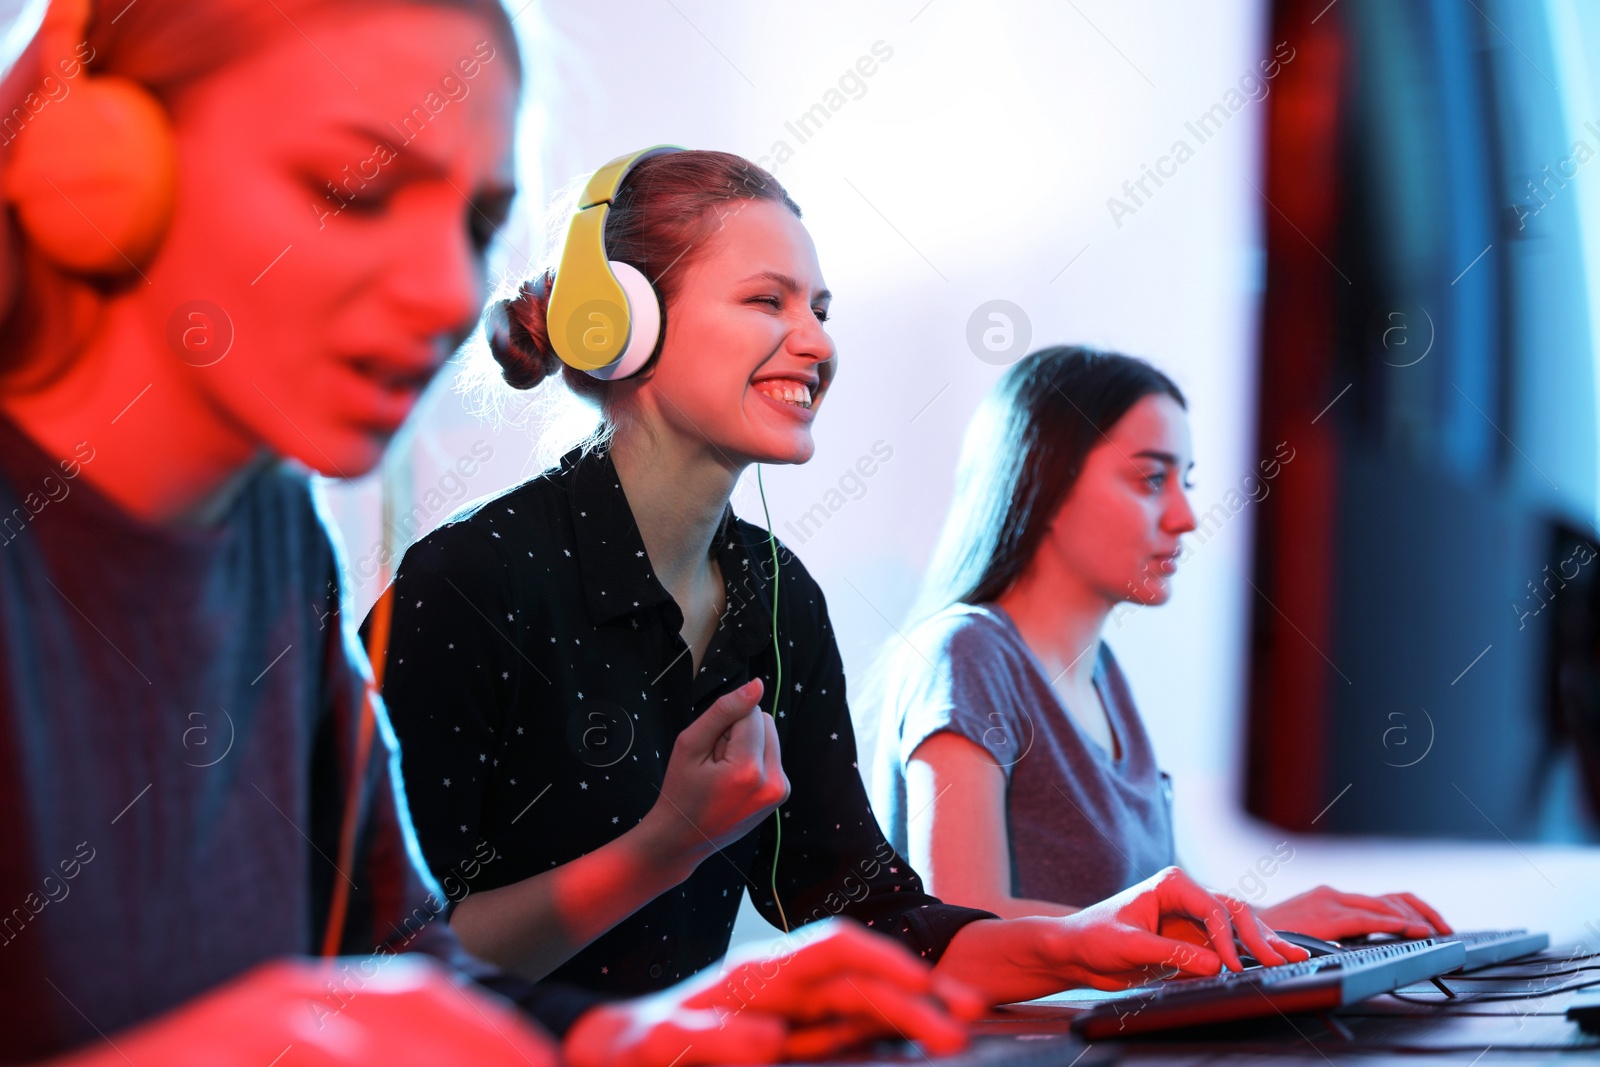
[811,341]
[1180,518]
[440,275]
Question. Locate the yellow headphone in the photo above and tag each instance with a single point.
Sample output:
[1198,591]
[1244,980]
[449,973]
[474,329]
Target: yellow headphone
[92,175]
[604,317]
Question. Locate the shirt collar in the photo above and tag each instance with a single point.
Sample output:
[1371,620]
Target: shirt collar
[616,572]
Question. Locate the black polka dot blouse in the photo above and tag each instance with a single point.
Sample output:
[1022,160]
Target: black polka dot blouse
[536,680]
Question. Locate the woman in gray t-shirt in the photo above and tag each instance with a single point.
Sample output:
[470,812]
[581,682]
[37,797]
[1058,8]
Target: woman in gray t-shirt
[1083,821]
[1012,768]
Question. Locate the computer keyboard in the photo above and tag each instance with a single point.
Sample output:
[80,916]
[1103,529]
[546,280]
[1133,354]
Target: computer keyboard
[1318,984]
[1485,948]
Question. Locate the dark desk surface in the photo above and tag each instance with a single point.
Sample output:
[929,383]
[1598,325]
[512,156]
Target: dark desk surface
[1472,1029]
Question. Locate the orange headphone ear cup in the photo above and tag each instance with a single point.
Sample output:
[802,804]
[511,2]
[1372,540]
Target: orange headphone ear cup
[93,177]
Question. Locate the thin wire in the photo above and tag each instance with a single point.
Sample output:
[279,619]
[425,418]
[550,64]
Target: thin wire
[1519,977]
[1495,998]
[777,654]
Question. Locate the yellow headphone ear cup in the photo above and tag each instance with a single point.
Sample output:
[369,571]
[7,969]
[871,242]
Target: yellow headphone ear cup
[644,323]
[596,323]
[93,177]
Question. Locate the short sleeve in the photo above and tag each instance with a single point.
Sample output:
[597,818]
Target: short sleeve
[959,675]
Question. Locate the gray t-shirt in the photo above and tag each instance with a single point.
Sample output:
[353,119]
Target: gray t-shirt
[1083,824]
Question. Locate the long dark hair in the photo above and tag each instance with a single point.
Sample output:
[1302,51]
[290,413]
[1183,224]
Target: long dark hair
[1021,455]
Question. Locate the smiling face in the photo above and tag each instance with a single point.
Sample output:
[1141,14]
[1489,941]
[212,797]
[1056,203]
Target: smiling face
[336,208]
[1117,532]
[746,361]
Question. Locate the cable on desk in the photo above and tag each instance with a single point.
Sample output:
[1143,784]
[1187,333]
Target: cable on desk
[1496,998]
[1553,959]
[1517,977]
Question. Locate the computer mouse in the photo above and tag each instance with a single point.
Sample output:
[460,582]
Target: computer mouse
[1314,945]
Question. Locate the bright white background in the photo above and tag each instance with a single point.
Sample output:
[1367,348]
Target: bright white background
[976,165]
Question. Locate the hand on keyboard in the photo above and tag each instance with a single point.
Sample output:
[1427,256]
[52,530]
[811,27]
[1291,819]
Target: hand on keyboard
[1165,926]
[1329,914]
[831,986]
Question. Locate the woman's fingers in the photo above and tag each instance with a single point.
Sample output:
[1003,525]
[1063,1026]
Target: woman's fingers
[1184,928]
[1401,905]
[1380,915]
[1107,983]
[1145,955]
[773,759]
[824,1040]
[657,1032]
[1419,926]
[843,945]
[704,1038]
[1427,912]
[700,736]
[886,1008]
[1266,946]
[962,1000]
[1356,922]
[1219,924]
[747,742]
[1329,913]
[1380,905]
[1188,897]
[851,975]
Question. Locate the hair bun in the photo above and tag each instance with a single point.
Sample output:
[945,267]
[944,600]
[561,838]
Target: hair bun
[518,336]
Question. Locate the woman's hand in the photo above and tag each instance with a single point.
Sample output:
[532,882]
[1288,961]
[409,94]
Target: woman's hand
[724,776]
[1331,915]
[409,1011]
[1166,926]
[1169,926]
[841,986]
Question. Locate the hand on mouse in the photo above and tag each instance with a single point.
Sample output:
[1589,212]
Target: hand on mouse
[831,985]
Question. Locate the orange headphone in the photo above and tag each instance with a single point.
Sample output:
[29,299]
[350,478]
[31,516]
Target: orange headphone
[92,174]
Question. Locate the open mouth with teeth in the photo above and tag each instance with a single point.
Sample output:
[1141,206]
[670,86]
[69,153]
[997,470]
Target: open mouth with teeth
[786,390]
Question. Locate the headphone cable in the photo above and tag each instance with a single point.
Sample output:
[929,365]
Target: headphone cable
[777,814]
